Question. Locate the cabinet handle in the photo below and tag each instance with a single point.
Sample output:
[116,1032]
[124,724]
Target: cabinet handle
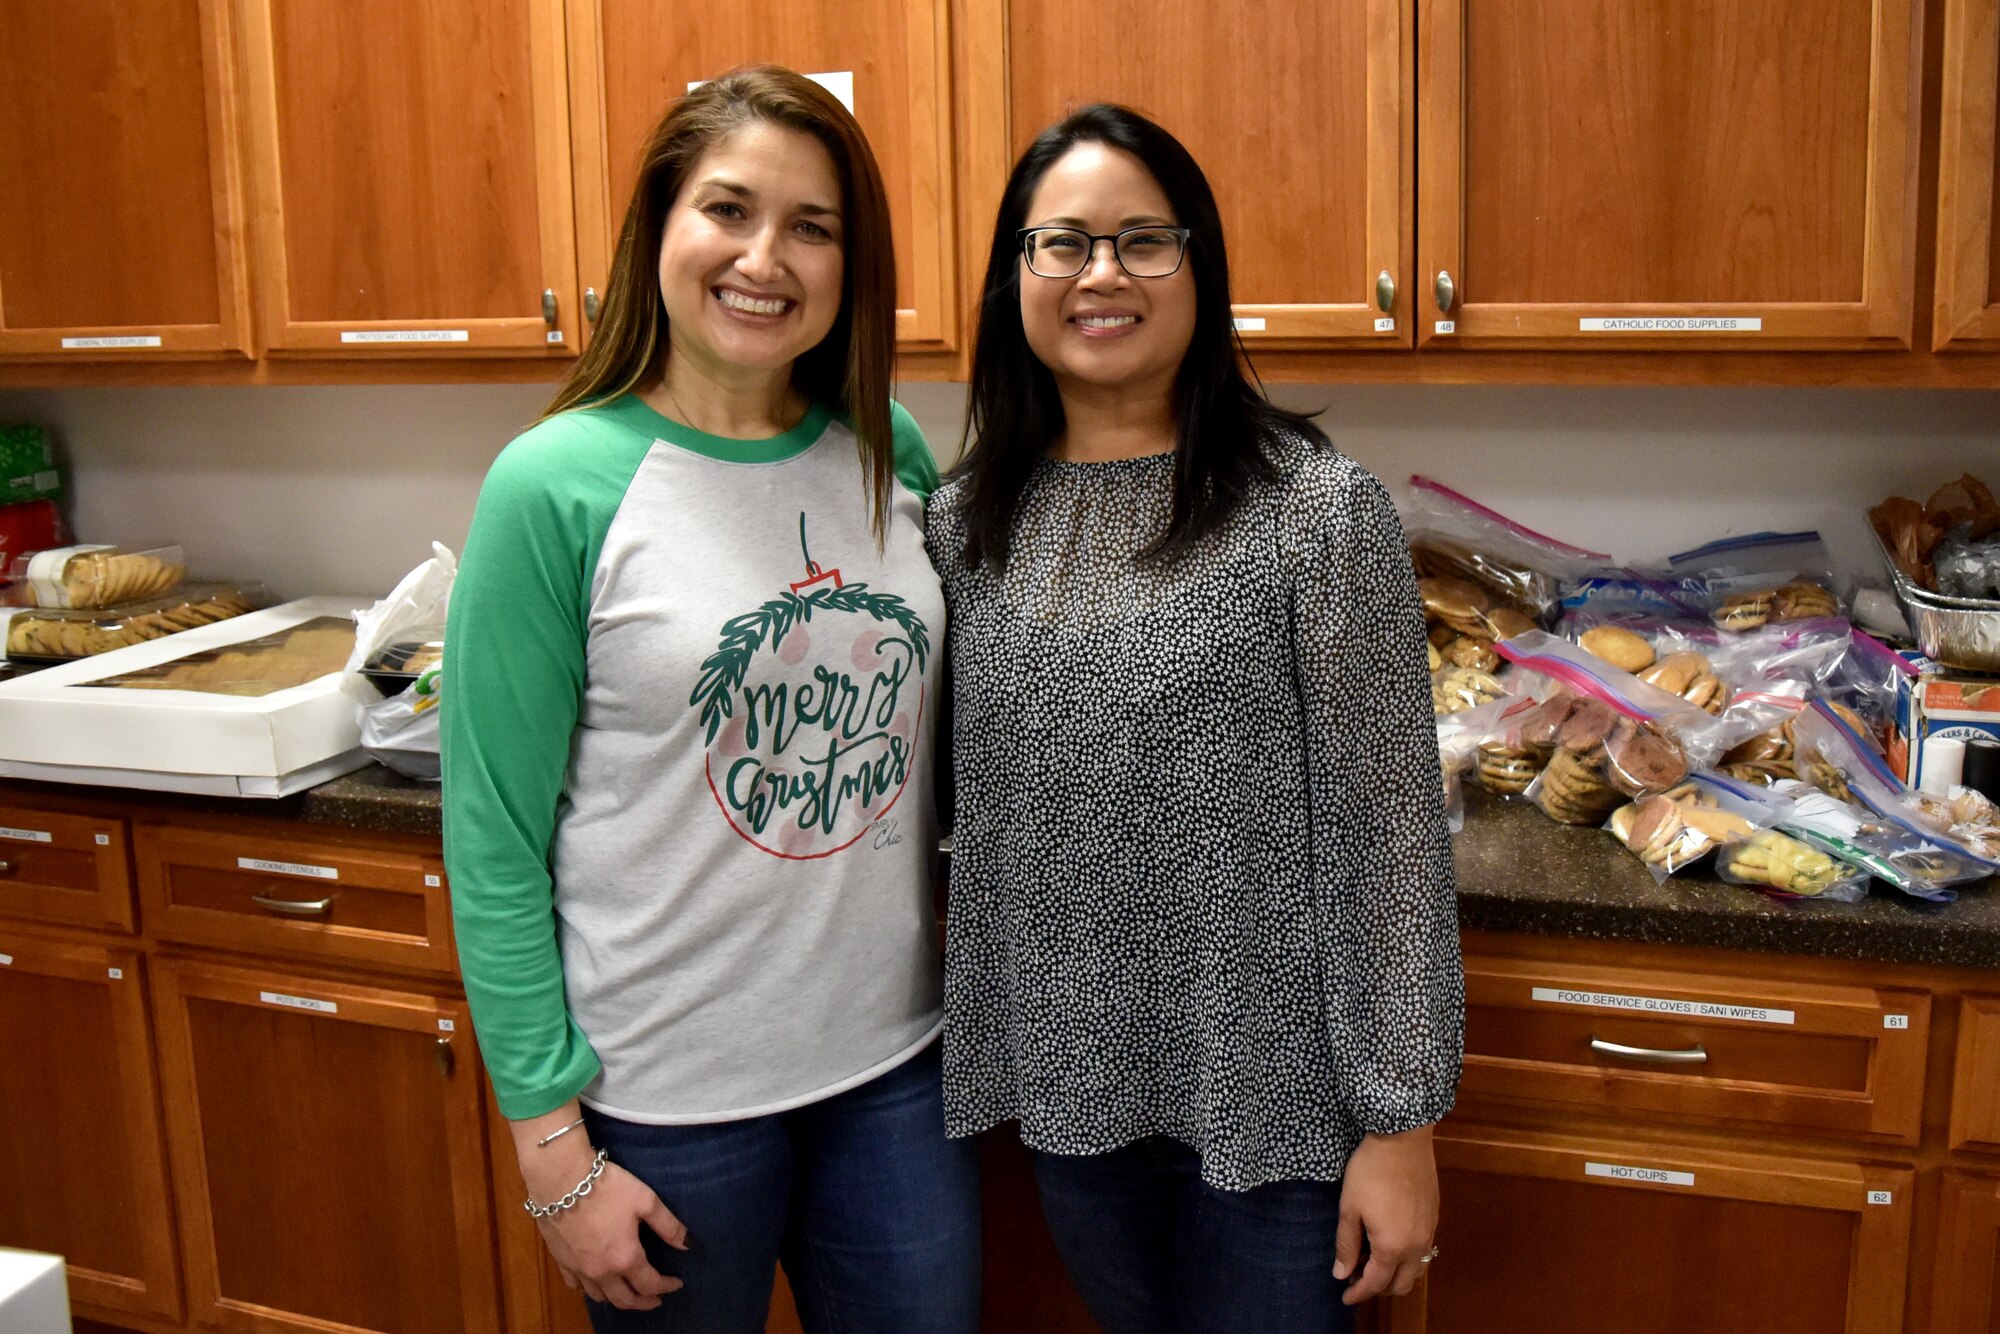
[549,306]
[447,1060]
[1446,291]
[294,907]
[1694,1055]
[591,305]
[1385,292]
[6,868]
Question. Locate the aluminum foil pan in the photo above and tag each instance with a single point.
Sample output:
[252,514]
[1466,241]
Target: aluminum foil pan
[1958,632]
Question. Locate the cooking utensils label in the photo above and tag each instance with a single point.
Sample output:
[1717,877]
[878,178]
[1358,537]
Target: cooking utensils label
[1604,1000]
[288,868]
[27,835]
[1655,1176]
[298,1002]
[1673,324]
[405,336]
[120,340]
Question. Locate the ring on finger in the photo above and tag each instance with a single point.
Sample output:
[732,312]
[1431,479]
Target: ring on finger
[1428,1256]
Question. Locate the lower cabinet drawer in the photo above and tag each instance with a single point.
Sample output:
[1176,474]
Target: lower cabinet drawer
[328,900]
[1698,1046]
[1570,1235]
[1975,1089]
[72,870]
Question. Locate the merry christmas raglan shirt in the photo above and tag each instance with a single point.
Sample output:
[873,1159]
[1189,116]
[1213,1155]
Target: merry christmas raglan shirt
[687,767]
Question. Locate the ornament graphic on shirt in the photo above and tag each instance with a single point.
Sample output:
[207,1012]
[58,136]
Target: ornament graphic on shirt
[812,704]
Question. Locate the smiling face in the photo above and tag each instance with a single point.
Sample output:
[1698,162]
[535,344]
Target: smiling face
[1105,329]
[752,254]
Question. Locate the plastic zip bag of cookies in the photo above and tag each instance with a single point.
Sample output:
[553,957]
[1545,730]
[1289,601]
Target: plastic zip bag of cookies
[97,574]
[1674,830]
[1748,582]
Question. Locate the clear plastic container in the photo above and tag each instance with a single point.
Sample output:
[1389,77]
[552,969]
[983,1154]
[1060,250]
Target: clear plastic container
[98,575]
[60,634]
[252,668]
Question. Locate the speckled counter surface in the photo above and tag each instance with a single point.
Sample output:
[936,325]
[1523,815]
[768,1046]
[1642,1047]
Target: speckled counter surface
[377,800]
[1520,871]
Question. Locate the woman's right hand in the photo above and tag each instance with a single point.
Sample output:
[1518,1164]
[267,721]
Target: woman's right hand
[595,1243]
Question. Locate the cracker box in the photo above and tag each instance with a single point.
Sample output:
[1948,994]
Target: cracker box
[1950,703]
[250,706]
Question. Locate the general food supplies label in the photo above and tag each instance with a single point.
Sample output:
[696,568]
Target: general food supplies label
[288,868]
[1652,1176]
[27,835]
[298,1002]
[1695,1009]
[1674,324]
[117,340]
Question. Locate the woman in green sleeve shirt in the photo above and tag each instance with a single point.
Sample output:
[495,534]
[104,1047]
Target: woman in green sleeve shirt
[688,760]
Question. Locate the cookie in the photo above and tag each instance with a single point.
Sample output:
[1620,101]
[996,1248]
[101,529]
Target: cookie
[1803,602]
[1675,672]
[1619,647]
[1477,654]
[1640,759]
[1506,622]
[1744,611]
[1584,731]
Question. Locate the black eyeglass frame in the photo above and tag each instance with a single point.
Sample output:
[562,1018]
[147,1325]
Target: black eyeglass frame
[1024,238]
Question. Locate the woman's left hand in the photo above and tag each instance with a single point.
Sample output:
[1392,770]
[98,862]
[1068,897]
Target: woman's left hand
[1390,1194]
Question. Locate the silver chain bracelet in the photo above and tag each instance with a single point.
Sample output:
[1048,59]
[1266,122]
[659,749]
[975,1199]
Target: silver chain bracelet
[575,1197]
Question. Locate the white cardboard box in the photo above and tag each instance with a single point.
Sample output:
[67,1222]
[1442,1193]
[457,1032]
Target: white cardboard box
[34,1296]
[57,726]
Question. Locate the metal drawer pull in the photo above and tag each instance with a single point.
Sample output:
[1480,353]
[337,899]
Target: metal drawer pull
[1385,292]
[1694,1055]
[447,1061]
[6,868]
[1445,291]
[294,907]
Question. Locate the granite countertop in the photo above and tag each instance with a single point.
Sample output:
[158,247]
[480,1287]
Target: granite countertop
[1517,871]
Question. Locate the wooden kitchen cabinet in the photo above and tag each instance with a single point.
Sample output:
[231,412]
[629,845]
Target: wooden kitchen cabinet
[65,869]
[121,220]
[410,179]
[1681,173]
[1570,1235]
[329,1153]
[1967,312]
[1301,118]
[630,58]
[1965,1284]
[83,1170]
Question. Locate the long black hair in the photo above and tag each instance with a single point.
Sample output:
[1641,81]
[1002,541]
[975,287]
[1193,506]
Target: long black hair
[1224,425]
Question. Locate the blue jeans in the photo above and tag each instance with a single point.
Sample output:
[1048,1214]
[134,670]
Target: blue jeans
[872,1211]
[1153,1249]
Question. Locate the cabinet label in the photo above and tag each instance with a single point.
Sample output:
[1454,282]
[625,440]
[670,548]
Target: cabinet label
[1385,324]
[1603,1000]
[1657,1176]
[555,335]
[298,1002]
[5,960]
[447,1026]
[1895,1021]
[122,340]
[104,840]
[116,974]
[433,881]
[288,868]
[1881,1197]
[1445,327]
[405,336]
[1249,324]
[27,835]
[1674,324]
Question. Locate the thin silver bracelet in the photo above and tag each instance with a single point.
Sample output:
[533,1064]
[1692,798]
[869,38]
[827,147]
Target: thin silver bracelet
[544,1143]
[575,1197]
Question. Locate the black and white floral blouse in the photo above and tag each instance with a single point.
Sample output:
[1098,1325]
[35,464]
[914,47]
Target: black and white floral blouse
[1202,885]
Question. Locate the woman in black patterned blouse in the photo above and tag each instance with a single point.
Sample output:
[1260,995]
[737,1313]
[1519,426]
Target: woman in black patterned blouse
[1203,943]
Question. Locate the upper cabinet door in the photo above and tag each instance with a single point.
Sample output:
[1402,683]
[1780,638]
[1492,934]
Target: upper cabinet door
[1968,244]
[630,58]
[119,222]
[1300,118]
[1677,173]
[410,176]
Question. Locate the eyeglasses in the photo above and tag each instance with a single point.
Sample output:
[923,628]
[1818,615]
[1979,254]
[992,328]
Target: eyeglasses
[1065,252]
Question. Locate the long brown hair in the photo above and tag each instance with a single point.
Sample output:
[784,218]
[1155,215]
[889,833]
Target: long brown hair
[852,367]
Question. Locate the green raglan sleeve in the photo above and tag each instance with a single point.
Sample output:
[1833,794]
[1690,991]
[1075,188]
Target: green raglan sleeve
[514,668]
[916,466]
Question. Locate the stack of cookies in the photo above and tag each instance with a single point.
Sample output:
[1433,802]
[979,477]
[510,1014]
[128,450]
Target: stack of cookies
[1764,758]
[1679,827]
[1757,608]
[65,633]
[1508,764]
[1691,676]
[1601,759]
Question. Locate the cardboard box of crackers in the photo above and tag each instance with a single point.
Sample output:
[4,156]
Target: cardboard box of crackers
[1944,702]
[250,706]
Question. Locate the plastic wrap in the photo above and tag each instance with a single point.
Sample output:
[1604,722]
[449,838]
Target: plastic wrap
[1834,758]
[1455,537]
[1674,830]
